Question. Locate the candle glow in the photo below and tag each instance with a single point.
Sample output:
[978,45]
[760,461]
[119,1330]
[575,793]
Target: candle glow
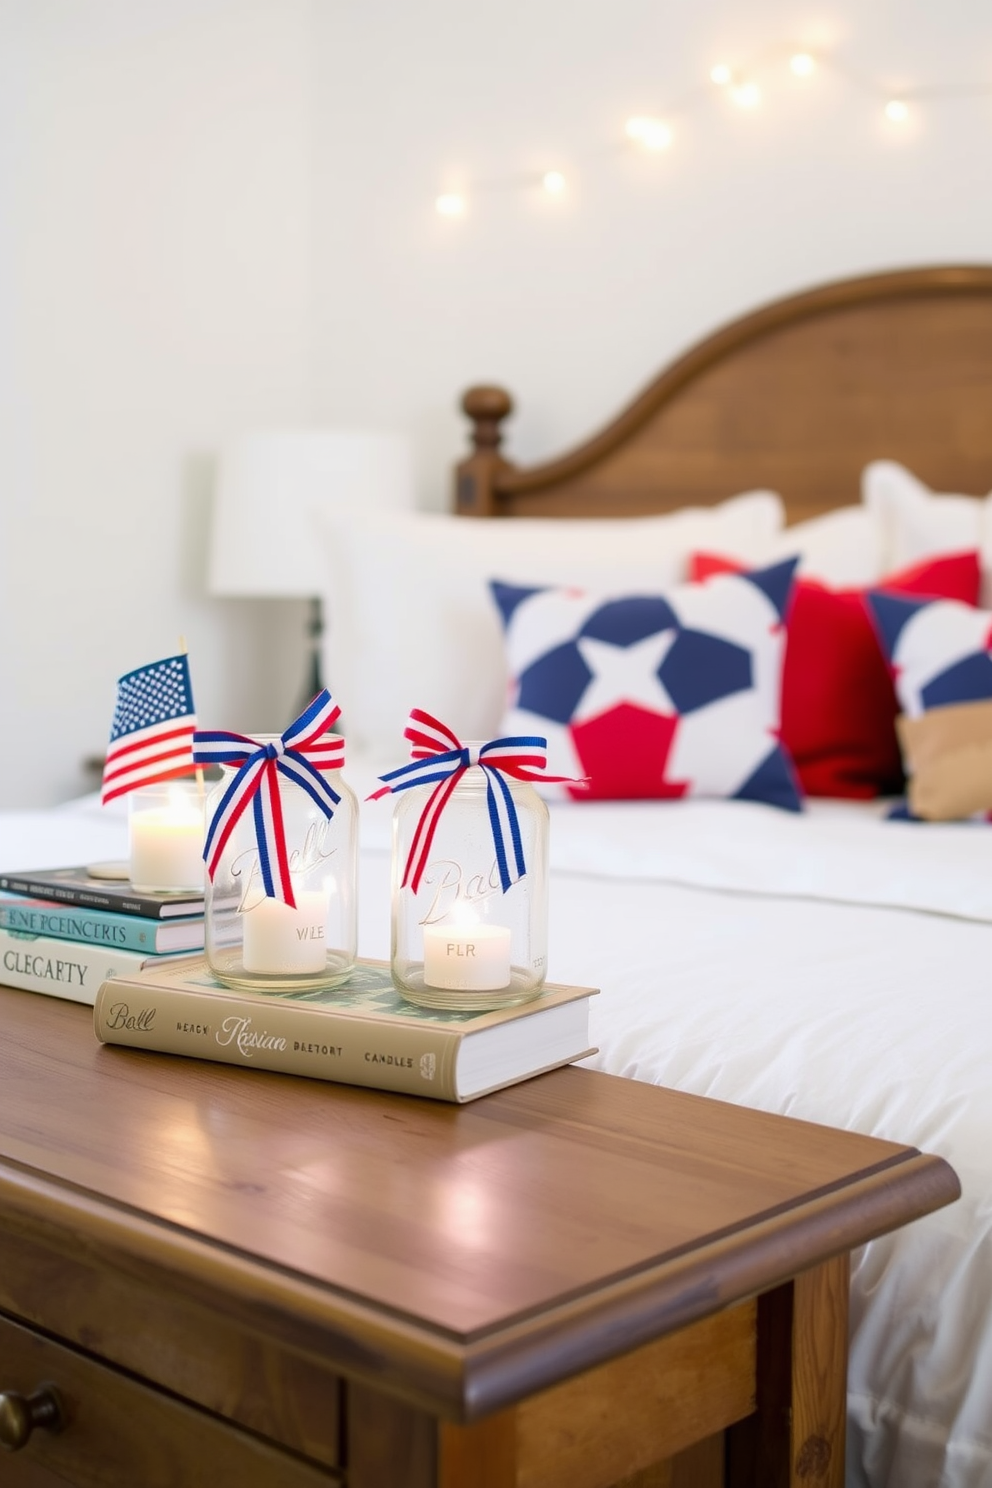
[279,939]
[465,956]
[166,838]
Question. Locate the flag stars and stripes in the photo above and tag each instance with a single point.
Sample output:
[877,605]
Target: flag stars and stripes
[154,694]
[151,734]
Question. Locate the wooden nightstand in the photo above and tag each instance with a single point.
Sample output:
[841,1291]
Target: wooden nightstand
[242,1277]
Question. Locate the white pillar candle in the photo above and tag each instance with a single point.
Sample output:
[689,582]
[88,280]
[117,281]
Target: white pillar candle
[467,958]
[280,939]
[166,841]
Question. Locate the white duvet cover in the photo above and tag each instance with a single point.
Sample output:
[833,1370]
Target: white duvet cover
[833,966]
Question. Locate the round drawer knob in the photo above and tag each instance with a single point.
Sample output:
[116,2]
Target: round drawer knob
[20,1414]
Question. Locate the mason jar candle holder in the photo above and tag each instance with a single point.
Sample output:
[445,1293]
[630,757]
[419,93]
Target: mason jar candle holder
[459,941]
[259,943]
[165,837]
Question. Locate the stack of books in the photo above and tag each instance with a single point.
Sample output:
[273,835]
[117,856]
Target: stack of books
[136,958]
[66,931]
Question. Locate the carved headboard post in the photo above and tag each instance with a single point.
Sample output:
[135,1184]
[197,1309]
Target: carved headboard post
[796,397]
[475,477]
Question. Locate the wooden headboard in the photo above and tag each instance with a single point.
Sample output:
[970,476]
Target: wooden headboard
[795,398]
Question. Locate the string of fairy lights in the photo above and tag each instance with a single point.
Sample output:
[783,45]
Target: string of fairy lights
[745,86]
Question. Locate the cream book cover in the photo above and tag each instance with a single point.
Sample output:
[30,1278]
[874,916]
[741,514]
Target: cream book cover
[362,1033]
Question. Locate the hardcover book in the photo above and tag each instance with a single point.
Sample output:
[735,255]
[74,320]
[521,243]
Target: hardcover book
[361,1033]
[66,968]
[100,927]
[79,886]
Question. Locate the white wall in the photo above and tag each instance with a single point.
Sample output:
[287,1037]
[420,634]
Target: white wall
[574,305]
[155,184]
[219,214]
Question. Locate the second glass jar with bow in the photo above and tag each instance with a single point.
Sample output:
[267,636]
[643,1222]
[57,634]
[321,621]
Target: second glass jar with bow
[282,857]
[469,874]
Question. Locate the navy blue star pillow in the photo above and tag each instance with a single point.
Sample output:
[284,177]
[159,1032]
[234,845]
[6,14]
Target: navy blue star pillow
[940,655]
[655,696]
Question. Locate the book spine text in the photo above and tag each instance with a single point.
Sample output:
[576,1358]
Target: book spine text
[289,1038]
[61,968]
[84,925]
[124,902]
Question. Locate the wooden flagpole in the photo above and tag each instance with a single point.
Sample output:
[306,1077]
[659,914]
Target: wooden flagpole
[184,651]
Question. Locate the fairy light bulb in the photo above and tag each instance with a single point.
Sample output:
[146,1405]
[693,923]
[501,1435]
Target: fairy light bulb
[906,114]
[450,204]
[746,95]
[653,134]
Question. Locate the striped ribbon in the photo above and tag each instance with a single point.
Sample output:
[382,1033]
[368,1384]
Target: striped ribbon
[440,759]
[301,754]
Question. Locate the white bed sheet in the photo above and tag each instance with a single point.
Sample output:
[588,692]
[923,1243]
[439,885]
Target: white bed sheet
[834,967]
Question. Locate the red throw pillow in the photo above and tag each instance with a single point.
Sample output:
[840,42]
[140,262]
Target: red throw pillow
[838,701]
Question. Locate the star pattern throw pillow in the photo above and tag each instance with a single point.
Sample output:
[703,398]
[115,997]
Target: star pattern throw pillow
[655,695]
[838,702]
[940,654]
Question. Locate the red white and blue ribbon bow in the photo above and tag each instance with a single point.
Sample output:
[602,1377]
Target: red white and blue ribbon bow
[301,754]
[441,759]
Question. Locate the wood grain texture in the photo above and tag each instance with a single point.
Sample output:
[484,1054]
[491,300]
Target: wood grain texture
[134,1315]
[390,1443]
[795,1439]
[819,1355]
[593,1433]
[797,398]
[454,1256]
[642,1408]
[699,1466]
[117,1433]
[484,1454]
[23,1472]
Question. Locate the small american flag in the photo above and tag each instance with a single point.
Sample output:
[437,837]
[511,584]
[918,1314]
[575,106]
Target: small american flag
[151,737]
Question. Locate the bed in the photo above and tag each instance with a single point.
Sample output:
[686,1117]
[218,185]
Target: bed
[834,965]
[829,962]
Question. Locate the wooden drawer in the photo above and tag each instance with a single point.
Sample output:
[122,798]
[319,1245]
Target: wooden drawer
[121,1433]
[133,1319]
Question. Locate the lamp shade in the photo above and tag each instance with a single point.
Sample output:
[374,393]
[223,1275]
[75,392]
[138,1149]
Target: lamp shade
[262,539]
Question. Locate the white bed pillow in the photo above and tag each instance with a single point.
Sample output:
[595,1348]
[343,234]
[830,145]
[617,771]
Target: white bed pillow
[920,523]
[845,548]
[409,620]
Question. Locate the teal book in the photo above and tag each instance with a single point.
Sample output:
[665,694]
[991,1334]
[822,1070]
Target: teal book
[101,928]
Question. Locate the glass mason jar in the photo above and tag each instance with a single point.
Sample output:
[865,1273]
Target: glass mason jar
[460,942]
[165,837]
[261,944]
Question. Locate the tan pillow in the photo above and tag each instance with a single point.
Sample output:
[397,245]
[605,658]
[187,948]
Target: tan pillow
[947,754]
